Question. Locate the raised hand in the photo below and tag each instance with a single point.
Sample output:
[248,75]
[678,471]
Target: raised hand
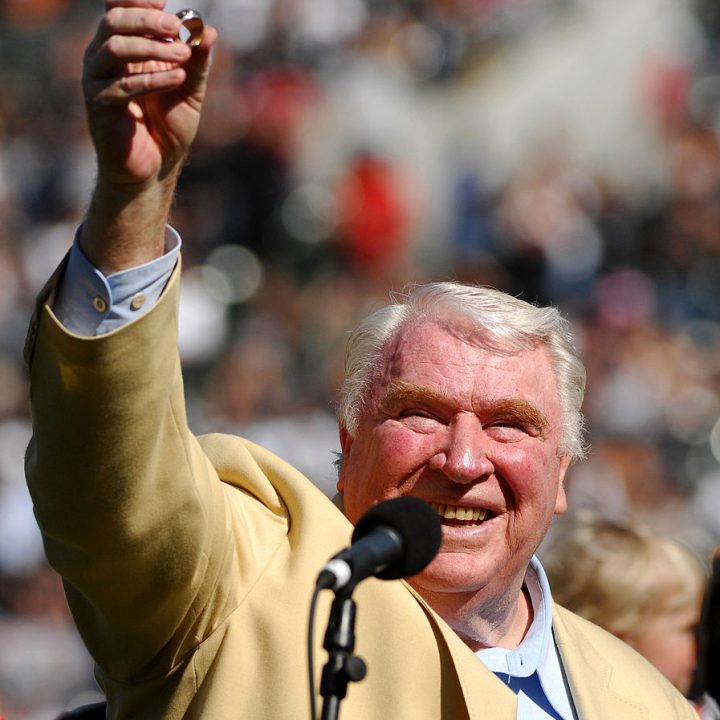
[143,91]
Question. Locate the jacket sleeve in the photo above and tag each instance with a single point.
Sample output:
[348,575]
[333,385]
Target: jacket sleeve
[132,513]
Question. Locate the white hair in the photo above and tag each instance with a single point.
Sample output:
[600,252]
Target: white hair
[499,321]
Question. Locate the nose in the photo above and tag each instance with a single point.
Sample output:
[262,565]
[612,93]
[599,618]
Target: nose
[463,456]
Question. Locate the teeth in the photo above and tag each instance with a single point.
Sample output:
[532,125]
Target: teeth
[459,512]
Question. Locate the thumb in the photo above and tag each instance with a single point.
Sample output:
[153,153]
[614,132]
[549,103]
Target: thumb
[198,66]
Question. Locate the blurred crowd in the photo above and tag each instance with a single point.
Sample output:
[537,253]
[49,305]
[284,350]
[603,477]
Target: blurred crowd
[563,150]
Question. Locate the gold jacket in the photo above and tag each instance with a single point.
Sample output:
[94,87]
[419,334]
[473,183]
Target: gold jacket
[189,563]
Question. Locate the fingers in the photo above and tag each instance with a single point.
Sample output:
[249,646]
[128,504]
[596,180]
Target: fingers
[133,35]
[137,16]
[159,4]
[115,56]
[132,53]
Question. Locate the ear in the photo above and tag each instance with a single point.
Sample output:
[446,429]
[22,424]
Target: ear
[346,441]
[561,499]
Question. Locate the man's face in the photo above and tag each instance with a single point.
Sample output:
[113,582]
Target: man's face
[472,432]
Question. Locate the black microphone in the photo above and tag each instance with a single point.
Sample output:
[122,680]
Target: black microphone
[394,539]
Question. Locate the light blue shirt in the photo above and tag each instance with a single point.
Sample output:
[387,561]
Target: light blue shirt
[532,669]
[89,303]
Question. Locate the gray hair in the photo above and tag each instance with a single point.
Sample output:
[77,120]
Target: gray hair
[502,322]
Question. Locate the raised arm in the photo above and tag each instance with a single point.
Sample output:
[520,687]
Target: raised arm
[143,94]
[132,514]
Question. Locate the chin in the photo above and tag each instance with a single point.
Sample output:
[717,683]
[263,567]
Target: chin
[684,685]
[451,573]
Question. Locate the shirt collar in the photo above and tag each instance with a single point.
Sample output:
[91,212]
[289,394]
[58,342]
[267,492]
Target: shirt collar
[530,655]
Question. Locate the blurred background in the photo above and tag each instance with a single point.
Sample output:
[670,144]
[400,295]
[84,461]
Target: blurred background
[562,150]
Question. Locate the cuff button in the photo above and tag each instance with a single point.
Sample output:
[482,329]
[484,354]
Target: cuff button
[137,301]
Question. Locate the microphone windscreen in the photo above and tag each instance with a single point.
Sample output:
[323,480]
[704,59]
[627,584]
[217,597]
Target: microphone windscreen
[417,524]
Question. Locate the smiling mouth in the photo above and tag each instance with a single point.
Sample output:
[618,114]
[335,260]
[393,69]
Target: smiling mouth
[461,514]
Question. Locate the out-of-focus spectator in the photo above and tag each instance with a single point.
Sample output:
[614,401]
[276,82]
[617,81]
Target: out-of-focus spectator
[43,667]
[373,222]
[710,649]
[645,589]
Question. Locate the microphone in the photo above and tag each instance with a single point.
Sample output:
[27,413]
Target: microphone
[394,539]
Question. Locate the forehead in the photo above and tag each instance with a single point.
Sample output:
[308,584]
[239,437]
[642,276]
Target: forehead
[429,355]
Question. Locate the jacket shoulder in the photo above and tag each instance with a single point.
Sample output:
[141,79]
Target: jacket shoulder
[602,669]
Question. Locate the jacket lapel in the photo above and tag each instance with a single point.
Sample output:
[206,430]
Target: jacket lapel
[485,695]
[589,675]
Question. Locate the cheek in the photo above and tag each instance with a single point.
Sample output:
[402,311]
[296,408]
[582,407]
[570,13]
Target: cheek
[531,474]
[675,658]
[379,464]
[400,451]
[668,649]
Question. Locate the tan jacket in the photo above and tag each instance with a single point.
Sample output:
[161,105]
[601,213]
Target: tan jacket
[189,563]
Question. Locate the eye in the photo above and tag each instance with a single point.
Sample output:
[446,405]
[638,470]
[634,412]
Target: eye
[508,431]
[414,412]
[420,420]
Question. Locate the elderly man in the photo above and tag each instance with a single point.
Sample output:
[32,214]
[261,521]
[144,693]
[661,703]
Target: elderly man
[189,562]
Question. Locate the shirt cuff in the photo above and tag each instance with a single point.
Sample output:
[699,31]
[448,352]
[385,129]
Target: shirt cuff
[90,303]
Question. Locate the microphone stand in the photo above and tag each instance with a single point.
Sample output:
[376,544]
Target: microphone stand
[342,666]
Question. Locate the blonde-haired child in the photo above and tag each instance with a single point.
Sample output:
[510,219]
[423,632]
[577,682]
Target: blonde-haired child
[643,588]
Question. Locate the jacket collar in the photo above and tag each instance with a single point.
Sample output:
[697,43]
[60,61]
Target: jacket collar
[479,696]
